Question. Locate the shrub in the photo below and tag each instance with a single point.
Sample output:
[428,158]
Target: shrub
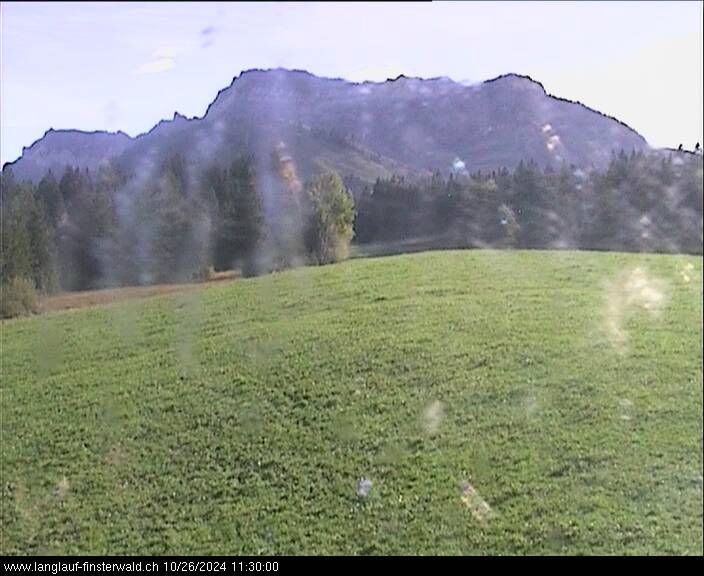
[18,297]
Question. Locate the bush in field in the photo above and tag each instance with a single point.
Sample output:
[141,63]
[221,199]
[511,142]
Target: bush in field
[17,298]
[330,221]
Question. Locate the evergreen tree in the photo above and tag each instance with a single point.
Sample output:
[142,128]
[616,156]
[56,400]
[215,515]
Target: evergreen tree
[49,194]
[172,250]
[237,221]
[26,251]
[528,205]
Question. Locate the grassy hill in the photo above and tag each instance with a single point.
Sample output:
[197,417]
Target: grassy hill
[499,402]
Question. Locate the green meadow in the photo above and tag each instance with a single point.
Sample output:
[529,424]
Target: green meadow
[497,402]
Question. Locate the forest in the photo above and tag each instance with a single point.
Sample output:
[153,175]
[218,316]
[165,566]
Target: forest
[83,230]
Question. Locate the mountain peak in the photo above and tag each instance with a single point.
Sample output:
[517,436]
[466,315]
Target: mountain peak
[516,80]
[405,123]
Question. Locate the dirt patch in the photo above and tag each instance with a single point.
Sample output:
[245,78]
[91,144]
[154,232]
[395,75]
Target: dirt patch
[71,300]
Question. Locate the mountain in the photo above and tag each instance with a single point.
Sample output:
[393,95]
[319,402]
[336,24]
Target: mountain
[59,148]
[365,130]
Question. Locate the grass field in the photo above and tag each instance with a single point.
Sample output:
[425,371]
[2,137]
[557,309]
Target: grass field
[499,403]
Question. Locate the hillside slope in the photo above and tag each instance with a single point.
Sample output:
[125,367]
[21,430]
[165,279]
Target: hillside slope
[499,402]
[362,130]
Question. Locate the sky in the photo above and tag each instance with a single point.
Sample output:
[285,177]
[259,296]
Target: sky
[125,66]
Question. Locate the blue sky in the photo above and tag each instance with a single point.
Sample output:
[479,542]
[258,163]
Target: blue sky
[125,66]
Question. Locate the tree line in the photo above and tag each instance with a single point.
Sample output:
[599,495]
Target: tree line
[640,202]
[173,223]
[86,230]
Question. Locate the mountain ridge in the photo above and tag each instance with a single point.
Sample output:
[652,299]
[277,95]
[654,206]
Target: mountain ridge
[387,119]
